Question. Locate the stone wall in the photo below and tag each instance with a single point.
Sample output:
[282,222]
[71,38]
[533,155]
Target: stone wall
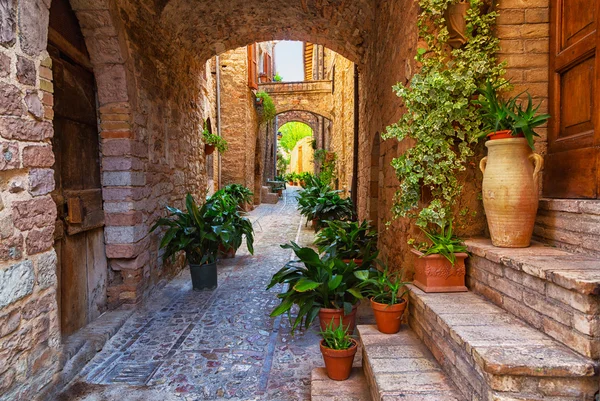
[302,156]
[341,71]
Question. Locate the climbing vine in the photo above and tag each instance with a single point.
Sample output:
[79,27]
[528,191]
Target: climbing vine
[268,107]
[440,115]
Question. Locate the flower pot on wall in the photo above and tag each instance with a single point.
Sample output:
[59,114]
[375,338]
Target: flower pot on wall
[326,316]
[510,191]
[388,317]
[435,273]
[204,277]
[209,149]
[338,363]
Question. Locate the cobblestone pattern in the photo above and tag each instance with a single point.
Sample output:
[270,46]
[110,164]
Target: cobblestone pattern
[218,344]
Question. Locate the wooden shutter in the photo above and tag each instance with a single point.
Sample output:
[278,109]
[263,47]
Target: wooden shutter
[572,164]
[269,67]
[252,67]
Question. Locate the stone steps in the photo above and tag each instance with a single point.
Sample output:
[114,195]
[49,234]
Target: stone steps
[400,367]
[322,388]
[554,291]
[492,355]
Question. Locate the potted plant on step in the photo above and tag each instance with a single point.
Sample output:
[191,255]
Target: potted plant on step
[511,169]
[387,301]
[194,232]
[349,241]
[212,141]
[320,286]
[440,266]
[338,349]
[241,194]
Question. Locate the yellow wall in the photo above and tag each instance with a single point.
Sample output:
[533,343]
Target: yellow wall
[302,157]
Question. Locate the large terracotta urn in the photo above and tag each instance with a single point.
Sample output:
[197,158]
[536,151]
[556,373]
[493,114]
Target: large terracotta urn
[510,191]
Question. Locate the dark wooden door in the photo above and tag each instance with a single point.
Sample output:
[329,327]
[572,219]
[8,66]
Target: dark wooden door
[573,161]
[79,238]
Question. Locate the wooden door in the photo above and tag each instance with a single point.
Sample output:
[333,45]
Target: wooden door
[573,161]
[79,238]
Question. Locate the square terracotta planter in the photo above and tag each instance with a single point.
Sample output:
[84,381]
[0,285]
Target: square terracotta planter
[435,273]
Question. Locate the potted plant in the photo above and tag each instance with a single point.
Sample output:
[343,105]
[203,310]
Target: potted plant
[320,286]
[222,210]
[440,266]
[383,289]
[338,349]
[195,232]
[241,194]
[212,141]
[320,203]
[277,78]
[264,78]
[348,240]
[511,169]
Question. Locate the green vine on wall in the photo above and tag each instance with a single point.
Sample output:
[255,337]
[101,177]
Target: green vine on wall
[268,107]
[440,116]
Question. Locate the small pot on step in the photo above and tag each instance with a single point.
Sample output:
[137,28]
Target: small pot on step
[209,149]
[388,317]
[204,277]
[435,273]
[327,316]
[338,363]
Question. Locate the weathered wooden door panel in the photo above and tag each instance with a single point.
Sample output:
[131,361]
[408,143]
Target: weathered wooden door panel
[574,137]
[78,195]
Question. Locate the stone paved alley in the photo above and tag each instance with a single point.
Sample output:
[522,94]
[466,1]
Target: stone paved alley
[222,344]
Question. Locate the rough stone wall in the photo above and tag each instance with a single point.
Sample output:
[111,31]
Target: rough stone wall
[341,71]
[310,96]
[29,323]
[239,120]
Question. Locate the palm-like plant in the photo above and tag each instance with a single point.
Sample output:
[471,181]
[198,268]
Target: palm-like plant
[314,283]
[348,240]
[195,231]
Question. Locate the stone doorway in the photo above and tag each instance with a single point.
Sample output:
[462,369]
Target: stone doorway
[79,236]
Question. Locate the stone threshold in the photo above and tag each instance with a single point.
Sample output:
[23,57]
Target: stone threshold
[400,367]
[574,272]
[322,388]
[579,206]
[82,346]
[492,355]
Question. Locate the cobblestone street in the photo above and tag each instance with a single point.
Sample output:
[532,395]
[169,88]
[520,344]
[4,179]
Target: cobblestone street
[222,344]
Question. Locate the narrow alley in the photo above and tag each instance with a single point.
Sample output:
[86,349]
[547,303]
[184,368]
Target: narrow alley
[222,344]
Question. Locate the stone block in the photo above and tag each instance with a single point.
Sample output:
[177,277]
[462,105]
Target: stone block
[34,105]
[26,73]
[39,240]
[10,100]
[46,269]
[38,156]
[125,234]
[41,181]
[33,26]
[4,63]
[123,178]
[16,282]
[11,248]
[8,22]
[9,156]
[28,130]
[38,212]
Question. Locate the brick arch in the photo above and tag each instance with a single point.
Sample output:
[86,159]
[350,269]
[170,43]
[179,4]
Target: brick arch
[304,20]
[284,108]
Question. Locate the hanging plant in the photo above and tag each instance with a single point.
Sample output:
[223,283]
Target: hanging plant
[440,115]
[268,107]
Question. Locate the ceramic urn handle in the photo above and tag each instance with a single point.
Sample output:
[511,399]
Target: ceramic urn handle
[538,163]
[483,164]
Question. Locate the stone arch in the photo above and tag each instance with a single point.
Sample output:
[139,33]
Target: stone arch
[295,20]
[375,170]
[299,116]
[286,107]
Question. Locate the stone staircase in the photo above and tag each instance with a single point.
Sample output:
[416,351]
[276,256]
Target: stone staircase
[529,329]
[268,197]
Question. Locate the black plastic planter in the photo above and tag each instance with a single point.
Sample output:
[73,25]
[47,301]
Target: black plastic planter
[204,277]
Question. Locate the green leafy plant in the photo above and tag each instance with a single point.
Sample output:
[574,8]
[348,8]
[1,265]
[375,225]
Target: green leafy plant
[443,242]
[314,282]
[195,231]
[518,117]
[338,338]
[382,286]
[348,240]
[440,116]
[222,210]
[213,139]
[277,78]
[320,203]
[268,107]
[239,193]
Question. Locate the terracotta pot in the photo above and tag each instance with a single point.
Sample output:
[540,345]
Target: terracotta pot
[280,192]
[435,273]
[291,183]
[226,253]
[315,224]
[326,316]
[388,317]
[209,149]
[510,191]
[504,134]
[338,363]
[357,261]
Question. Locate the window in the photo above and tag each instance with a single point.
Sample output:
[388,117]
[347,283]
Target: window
[252,67]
